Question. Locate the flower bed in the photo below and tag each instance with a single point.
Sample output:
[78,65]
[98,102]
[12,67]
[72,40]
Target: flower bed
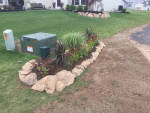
[74,53]
[95,15]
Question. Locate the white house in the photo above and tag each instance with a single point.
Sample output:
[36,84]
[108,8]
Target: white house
[138,4]
[107,5]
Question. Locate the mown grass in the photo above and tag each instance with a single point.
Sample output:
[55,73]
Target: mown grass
[14,98]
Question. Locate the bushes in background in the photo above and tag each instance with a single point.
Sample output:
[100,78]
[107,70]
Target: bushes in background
[76,8]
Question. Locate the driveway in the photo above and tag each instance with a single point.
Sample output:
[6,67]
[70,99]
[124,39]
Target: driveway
[141,40]
[121,81]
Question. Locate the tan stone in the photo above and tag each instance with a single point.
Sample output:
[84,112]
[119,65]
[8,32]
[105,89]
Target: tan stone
[102,16]
[77,71]
[39,87]
[80,67]
[60,86]
[28,66]
[102,45]
[50,84]
[66,77]
[47,83]
[98,49]
[90,15]
[30,79]
[85,63]
[32,61]
[91,60]
[96,15]
[24,72]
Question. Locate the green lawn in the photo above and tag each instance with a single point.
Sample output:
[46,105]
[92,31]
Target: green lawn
[14,98]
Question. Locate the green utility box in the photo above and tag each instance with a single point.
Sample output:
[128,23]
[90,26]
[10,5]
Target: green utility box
[32,43]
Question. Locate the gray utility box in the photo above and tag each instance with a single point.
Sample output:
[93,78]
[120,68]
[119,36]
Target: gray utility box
[31,43]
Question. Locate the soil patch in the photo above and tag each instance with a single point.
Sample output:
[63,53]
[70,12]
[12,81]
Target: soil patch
[121,83]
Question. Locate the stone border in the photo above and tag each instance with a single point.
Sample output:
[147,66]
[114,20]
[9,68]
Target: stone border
[95,15]
[59,81]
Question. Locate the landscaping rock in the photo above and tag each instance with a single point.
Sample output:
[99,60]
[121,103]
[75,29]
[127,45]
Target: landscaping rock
[90,15]
[77,71]
[96,15]
[32,61]
[91,60]
[39,86]
[29,80]
[102,16]
[66,77]
[85,63]
[24,72]
[80,67]
[102,45]
[48,84]
[98,49]
[60,86]
[28,66]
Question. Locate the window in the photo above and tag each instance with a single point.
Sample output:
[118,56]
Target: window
[76,2]
[1,1]
[83,2]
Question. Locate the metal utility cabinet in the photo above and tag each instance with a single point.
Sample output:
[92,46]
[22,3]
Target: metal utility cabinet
[31,43]
[9,39]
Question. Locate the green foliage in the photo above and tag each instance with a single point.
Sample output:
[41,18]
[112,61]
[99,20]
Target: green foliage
[72,7]
[85,8]
[60,52]
[68,7]
[16,99]
[73,40]
[124,10]
[80,8]
[120,8]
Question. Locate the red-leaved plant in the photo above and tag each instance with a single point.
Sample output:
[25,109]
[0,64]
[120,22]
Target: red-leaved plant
[43,67]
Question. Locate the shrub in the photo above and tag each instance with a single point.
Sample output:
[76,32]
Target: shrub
[91,38]
[85,8]
[72,7]
[68,7]
[60,53]
[124,10]
[73,40]
[120,8]
[80,8]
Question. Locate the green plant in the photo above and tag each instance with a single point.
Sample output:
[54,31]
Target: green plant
[72,7]
[43,67]
[73,40]
[68,7]
[90,35]
[80,8]
[60,53]
[120,8]
[124,10]
[85,8]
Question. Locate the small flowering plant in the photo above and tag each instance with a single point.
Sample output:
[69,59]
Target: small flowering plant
[91,36]
[43,67]
[92,39]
